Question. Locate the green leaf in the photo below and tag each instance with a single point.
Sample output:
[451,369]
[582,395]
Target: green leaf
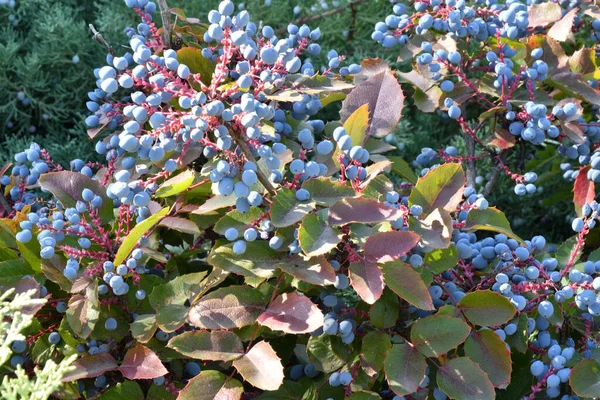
[402,168]
[440,260]
[203,345]
[215,203]
[326,352]
[490,219]
[357,124]
[144,327]
[136,234]
[177,291]
[237,220]
[180,224]
[171,317]
[259,260]
[124,390]
[435,230]
[518,340]
[375,346]
[12,271]
[442,187]
[30,252]
[228,308]
[563,254]
[176,185]
[261,367]
[212,385]
[67,186]
[436,335]
[487,308]
[585,378]
[84,311]
[286,209]
[406,283]
[404,369]
[316,237]
[461,378]
[325,192]
[197,63]
[364,395]
[489,351]
[384,313]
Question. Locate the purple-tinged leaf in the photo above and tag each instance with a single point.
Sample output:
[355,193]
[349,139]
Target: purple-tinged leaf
[142,363]
[389,246]
[367,280]
[584,190]
[228,308]
[385,98]
[67,186]
[362,210]
[292,313]
[461,378]
[90,366]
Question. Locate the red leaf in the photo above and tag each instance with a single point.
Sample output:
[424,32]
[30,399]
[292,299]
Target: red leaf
[583,190]
[90,366]
[389,246]
[363,211]
[292,313]
[367,280]
[142,363]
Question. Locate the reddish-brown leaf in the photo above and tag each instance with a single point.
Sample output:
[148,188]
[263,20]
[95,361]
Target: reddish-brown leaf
[584,190]
[292,313]
[389,246]
[543,14]
[90,366]
[502,139]
[363,211]
[316,270]
[367,280]
[142,363]
[561,29]
[385,98]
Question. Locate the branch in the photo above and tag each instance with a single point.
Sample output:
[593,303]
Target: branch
[103,42]
[165,15]
[311,18]
[248,153]
[496,170]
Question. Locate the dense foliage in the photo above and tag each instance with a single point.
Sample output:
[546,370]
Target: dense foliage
[234,244]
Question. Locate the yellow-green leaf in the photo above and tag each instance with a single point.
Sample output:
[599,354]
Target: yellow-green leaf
[136,233]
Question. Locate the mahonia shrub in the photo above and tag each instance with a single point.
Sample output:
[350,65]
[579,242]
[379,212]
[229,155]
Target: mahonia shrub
[234,245]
